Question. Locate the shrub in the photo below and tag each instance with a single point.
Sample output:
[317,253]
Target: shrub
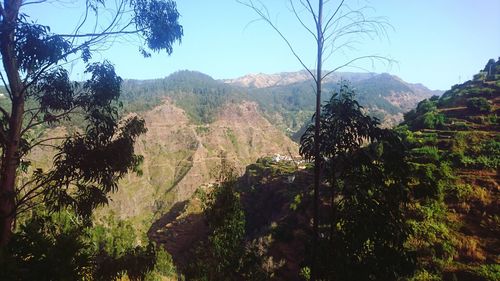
[460,192]
[479,104]
[432,120]
[490,272]
[429,153]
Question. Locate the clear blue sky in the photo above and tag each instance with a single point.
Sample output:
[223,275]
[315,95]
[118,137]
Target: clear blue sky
[435,42]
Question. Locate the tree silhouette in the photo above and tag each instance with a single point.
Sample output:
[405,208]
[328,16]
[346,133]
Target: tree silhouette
[88,162]
[369,180]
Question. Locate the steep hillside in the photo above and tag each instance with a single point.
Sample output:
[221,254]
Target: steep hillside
[459,134]
[179,155]
[288,98]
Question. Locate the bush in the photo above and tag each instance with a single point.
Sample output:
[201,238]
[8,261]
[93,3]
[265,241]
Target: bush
[479,104]
[460,192]
[429,153]
[490,272]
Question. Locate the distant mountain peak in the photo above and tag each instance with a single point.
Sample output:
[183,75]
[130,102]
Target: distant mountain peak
[262,80]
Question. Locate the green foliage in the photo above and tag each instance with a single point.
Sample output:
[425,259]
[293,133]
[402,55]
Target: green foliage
[367,223]
[158,22]
[60,247]
[344,126]
[305,273]
[427,153]
[266,167]
[472,150]
[490,272]
[424,275]
[425,116]
[460,192]
[432,236]
[116,238]
[198,94]
[480,105]
[164,266]
[45,250]
[219,258]
[88,161]
[370,220]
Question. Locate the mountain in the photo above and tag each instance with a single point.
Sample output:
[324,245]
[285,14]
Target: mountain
[262,80]
[181,155]
[193,120]
[452,144]
[285,99]
[290,95]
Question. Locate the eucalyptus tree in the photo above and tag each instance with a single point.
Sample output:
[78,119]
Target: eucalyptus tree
[336,28]
[89,161]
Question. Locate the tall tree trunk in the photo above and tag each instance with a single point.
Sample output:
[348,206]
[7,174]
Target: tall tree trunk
[317,124]
[10,162]
[10,155]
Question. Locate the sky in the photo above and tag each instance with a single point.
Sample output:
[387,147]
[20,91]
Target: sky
[437,43]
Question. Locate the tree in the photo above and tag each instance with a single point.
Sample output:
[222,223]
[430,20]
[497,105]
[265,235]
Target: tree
[89,162]
[344,129]
[337,30]
[480,105]
[369,181]
[220,256]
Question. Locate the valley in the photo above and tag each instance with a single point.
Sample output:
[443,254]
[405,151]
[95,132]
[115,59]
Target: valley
[164,140]
[193,119]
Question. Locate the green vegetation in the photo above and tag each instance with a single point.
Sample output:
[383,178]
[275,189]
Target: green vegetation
[448,159]
[61,247]
[425,116]
[288,107]
[46,226]
[200,96]
[225,255]
[366,229]
[479,104]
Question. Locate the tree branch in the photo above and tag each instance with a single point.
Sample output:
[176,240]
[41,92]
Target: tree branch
[301,22]
[25,3]
[312,12]
[54,118]
[2,11]
[333,16]
[372,57]
[259,12]
[121,32]
[46,140]
[7,88]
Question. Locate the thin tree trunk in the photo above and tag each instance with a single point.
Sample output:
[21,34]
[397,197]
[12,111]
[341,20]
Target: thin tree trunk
[10,162]
[10,155]
[317,162]
[332,202]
